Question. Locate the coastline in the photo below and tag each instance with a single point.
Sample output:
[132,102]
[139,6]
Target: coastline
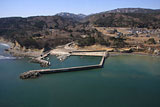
[25,53]
[10,44]
[133,53]
[61,51]
[18,51]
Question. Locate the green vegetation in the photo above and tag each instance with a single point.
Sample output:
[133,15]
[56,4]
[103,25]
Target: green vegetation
[118,42]
[100,40]
[50,31]
[86,41]
[37,35]
[151,41]
[46,47]
[140,20]
[29,42]
[40,24]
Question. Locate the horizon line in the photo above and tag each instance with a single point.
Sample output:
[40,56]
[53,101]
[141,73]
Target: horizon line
[74,13]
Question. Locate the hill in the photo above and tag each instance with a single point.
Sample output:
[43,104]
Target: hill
[126,17]
[34,32]
[134,10]
[45,31]
[51,31]
[76,17]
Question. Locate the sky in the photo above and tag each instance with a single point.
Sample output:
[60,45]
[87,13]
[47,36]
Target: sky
[25,8]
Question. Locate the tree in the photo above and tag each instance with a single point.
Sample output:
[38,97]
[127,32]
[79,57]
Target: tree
[118,42]
[40,24]
[100,40]
[88,41]
[151,41]
[46,47]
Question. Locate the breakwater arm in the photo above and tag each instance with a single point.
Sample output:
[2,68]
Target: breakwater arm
[37,73]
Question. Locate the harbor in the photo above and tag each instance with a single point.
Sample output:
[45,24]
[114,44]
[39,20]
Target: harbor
[115,80]
[37,73]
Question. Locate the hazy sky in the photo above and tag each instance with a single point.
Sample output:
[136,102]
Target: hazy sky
[26,8]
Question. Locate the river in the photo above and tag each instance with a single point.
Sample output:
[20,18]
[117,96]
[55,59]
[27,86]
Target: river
[125,81]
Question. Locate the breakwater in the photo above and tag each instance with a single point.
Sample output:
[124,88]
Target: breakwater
[41,61]
[37,73]
[88,53]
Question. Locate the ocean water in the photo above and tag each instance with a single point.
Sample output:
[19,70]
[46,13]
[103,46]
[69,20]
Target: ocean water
[125,81]
[3,54]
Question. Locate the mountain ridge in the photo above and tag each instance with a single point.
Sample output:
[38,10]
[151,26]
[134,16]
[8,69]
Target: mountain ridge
[134,10]
[71,15]
[126,17]
[61,29]
[81,15]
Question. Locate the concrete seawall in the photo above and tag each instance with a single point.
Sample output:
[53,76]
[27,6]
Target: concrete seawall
[88,53]
[37,73]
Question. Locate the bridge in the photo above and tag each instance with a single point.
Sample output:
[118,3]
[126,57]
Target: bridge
[37,73]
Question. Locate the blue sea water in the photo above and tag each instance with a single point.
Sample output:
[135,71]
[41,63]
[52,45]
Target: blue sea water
[125,81]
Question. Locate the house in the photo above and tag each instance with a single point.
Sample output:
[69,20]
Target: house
[112,31]
[119,34]
[84,36]
[148,35]
[135,35]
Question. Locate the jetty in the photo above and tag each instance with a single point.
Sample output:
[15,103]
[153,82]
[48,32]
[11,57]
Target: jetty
[37,73]
[41,61]
[88,53]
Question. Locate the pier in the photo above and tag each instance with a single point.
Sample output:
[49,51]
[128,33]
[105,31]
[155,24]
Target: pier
[37,73]
[88,53]
[41,61]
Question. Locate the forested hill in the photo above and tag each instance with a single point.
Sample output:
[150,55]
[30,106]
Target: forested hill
[76,17]
[134,10]
[34,32]
[50,31]
[45,31]
[17,26]
[126,17]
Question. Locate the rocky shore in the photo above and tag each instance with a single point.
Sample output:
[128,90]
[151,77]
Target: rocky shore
[30,74]
[18,51]
[9,43]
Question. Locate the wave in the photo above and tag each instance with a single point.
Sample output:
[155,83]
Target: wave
[3,44]
[6,57]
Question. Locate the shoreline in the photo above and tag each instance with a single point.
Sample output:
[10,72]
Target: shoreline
[133,53]
[3,41]
[61,51]
[33,53]
[15,50]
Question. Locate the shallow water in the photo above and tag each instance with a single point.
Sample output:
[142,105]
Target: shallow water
[125,81]
[3,54]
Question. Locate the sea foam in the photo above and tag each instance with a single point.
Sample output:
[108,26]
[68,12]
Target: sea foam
[6,57]
[3,44]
